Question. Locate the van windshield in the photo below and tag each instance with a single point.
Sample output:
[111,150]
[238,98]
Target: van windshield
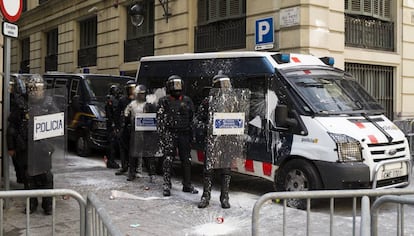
[332,92]
[98,86]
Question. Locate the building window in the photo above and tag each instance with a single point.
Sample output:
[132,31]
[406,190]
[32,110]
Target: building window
[378,81]
[88,39]
[368,24]
[24,64]
[221,25]
[51,50]
[140,40]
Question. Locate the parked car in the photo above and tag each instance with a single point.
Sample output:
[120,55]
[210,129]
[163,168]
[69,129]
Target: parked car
[86,107]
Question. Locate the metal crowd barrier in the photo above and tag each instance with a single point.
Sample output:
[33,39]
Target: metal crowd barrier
[94,220]
[407,126]
[43,193]
[366,195]
[98,221]
[400,201]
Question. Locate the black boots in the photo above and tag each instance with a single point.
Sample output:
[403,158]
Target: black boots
[224,196]
[121,171]
[205,198]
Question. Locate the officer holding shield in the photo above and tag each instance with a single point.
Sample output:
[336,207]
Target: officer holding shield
[143,139]
[221,148]
[39,143]
[174,121]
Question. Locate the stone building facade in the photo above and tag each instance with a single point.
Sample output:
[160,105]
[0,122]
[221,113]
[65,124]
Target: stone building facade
[373,39]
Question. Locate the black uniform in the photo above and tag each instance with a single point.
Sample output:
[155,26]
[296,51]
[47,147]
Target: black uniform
[17,135]
[124,135]
[174,119]
[113,128]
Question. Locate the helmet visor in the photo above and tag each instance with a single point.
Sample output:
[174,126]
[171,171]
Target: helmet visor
[222,83]
[175,84]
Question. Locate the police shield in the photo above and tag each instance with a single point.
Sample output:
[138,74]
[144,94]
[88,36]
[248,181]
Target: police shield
[46,127]
[227,115]
[144,138]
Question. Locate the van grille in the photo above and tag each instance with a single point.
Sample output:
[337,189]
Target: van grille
[387,151]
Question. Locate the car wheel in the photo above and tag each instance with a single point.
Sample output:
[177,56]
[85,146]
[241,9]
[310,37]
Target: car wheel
[82,146]
[297,175]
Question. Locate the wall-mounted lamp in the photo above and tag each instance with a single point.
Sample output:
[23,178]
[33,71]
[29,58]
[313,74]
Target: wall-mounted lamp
[136,12]
[164,5]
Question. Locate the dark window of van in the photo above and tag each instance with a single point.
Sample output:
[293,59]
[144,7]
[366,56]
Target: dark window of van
[140,40]
[51,50]
[88,40]
[221,25]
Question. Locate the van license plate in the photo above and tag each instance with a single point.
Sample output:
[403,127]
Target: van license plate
[388,174]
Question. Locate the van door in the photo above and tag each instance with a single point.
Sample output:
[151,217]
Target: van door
[259,139]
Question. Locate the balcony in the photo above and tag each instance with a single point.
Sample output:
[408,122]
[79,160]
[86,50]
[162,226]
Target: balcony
[221,35]
[370,33]
[136,48]
[87,57]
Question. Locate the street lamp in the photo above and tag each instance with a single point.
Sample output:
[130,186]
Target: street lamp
[136,13]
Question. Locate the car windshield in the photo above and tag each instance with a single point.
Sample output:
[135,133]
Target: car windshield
[332,92]
[98,86]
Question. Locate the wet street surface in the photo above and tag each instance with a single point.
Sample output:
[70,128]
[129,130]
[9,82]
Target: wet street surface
[138,207]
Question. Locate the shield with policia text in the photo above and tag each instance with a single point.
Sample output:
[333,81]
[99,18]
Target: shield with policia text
[46,127]
[226,132]
[144,141]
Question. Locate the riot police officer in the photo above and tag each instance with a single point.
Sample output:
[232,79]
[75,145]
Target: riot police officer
[37,163]
[174,120]
[143,139]
[125,126]
[222,88]
[113,125]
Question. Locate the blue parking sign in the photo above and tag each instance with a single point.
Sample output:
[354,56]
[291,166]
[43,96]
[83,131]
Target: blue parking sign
[264,33]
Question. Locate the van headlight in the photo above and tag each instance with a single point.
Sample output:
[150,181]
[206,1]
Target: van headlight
[97,124]
[349,149]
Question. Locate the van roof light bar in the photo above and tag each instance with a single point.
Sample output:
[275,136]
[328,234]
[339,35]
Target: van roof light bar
[330,61]
[282,58]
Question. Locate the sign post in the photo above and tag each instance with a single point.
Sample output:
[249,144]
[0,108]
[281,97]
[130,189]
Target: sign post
[11,10]
[264,34]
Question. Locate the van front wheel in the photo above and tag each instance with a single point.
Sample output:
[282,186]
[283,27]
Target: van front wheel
[297,175]
[82,146]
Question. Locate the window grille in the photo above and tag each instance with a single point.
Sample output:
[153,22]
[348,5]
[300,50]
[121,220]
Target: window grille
[140,40]
[88,39]
[378,81]
[221,25]
[51,50]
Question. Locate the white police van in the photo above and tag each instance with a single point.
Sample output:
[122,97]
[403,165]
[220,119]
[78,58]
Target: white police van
[310,125]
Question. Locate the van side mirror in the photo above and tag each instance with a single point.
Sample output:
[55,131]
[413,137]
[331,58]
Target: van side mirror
[282,119]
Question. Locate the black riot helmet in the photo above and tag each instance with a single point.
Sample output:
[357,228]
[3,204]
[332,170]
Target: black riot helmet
[114,90]
[175,86]
[221,81]
[35,86]
[140,93]
[130,88]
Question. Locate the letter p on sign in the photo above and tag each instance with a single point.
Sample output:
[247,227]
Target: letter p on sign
[264,33]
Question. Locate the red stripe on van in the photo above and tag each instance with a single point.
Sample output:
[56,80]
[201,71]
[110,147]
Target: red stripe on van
[248,165]
[295,59]
[373,139]
[360,125]
[267,168]
[200,156]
